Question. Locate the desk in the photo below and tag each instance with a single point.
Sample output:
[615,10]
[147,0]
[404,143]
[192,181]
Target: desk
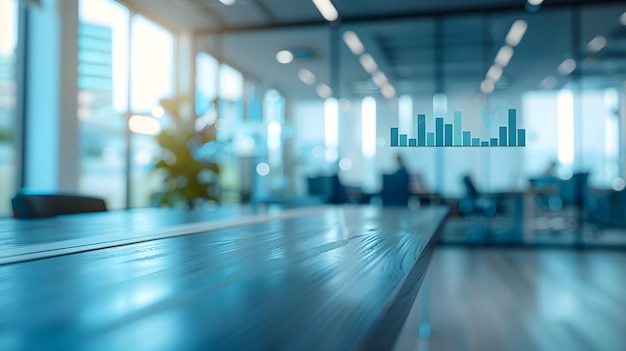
[330,278]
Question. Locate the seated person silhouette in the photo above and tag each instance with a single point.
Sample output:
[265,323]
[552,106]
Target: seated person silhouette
[474,202]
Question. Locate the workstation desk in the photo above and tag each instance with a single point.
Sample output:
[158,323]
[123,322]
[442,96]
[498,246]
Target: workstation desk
[322,278]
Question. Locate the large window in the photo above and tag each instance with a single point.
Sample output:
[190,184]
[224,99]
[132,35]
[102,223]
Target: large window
[103,99]
[152,79]
[8,45]
[125,69]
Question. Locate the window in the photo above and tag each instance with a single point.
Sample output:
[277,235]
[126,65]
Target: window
[103,99]
[206,79]
[8,60]
[152,79]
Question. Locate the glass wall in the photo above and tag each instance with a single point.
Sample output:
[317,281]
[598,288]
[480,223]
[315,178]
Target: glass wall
[8,93]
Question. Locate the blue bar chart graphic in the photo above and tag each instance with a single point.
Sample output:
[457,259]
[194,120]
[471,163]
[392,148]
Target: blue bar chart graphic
[452,135]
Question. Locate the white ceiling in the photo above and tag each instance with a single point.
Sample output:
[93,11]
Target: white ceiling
[402,37]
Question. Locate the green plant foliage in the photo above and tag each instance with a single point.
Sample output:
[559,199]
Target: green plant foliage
[187,180]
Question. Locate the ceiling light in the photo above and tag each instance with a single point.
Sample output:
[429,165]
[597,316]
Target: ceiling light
[326,8]
[504,56]
[596,44]
[379,79]
[388,91]
[324,91]
[567,67]
[622,19]
[548,83]
[368,63]
[535,2]
[487,86]
[227,2]
[284,56]
[307,77]
[353,42]
[516,33]
[494,73]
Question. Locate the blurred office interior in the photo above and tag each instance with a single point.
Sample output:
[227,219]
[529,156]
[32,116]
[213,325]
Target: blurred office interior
[301,104]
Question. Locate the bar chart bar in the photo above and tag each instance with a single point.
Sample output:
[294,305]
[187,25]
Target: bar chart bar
[521,137]
[439,131]
[452,134]
[448,134]
[421,130]
[512,127]
[394,137]
[467,138]
[403,140]
[457,128]
[503,136]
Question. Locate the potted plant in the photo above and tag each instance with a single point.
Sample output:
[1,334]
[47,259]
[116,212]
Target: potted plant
[188,180]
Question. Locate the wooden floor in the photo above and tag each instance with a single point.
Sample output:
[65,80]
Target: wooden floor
[522,299]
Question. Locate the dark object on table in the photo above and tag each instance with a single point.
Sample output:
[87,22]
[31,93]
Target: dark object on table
[49,205]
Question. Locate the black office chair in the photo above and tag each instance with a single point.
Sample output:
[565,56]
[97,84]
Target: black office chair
[327,189]
[475,203]
[48,205]
[395,190]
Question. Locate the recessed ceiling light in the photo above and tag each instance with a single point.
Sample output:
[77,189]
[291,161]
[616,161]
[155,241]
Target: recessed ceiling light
[327,9]
[567,67]
[516,33]
[284,56]
[504,56]
[307,77]
[622,19]
[535,2]
[353,42]
[227,2]
[596,44]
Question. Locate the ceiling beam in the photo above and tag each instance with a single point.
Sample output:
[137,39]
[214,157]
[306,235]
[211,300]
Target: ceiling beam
[406,15]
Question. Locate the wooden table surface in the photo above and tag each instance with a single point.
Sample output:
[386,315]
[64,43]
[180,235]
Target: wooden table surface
[332,278]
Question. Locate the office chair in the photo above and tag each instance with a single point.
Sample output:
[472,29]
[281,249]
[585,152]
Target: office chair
[27,206]
[476,203]
[327,188]
[395,190]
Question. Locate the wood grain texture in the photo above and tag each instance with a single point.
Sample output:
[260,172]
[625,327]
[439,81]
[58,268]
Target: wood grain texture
[317,282]
[523,299]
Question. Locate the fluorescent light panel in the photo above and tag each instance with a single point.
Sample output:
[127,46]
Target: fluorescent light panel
[324,91]
[368,63]
[504,56]
[307,77]
[516,33]
[596,44]
[567,67]
[494,73]
[353,42]
[327,9]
